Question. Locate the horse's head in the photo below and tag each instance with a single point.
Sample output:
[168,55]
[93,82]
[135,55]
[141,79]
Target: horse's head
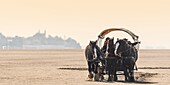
[95,49]
[93,44]
[111,43]
[111,46]
[121,46]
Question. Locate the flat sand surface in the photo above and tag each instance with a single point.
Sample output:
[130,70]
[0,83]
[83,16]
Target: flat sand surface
[43,67]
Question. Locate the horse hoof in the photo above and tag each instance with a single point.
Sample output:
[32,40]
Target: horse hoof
[90,76]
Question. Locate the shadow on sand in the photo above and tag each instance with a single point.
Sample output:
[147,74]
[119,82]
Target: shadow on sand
[121,81]
[139,82]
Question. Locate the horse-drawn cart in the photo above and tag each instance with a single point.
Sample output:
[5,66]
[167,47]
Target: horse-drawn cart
[120,56]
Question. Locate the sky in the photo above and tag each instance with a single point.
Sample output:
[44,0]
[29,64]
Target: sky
[83,20]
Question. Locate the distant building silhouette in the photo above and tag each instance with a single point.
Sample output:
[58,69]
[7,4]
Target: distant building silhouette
[38,41]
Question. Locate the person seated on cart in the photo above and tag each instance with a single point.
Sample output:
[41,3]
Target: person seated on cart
[105,46]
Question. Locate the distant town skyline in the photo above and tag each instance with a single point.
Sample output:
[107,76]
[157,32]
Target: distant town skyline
[38,41]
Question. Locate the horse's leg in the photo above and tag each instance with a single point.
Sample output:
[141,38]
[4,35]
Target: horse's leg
[110,76]
[132,79]
[95,67]
[89,67]
[106,66]
[90,75]
[97,73]
[112,70]
[126,73]
[126,69]
[109,67]
[115,75]
[103,66]
[131,69]
[115,70]
[101,73]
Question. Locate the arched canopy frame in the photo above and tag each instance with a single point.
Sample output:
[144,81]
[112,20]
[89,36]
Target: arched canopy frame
[107,31]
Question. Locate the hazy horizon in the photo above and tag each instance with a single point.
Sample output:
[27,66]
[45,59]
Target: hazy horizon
[84,20]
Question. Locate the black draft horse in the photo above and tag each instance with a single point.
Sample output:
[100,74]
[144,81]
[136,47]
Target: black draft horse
[93,56]
[129,56]
[112,61]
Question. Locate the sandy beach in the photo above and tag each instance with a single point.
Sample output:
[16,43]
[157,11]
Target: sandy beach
[68,67]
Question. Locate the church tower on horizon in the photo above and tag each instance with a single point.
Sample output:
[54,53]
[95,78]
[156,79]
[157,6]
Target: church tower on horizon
[45,33]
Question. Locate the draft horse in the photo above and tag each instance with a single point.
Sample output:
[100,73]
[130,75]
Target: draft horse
[112,61]
[129,56]
[94,56]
